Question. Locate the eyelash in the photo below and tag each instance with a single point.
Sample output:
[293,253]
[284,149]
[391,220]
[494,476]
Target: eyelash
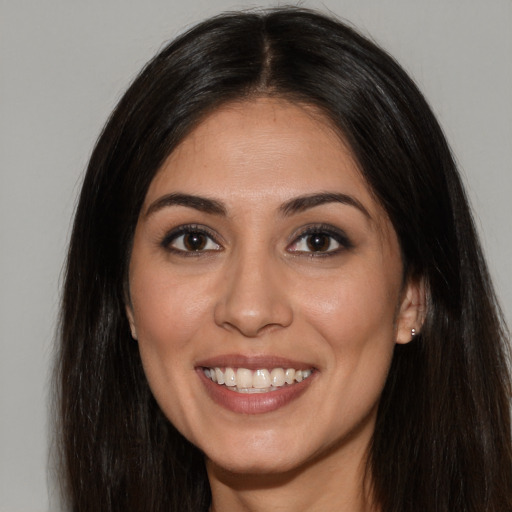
[191,229]
[333,234]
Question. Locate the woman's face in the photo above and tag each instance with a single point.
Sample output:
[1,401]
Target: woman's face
[262,259]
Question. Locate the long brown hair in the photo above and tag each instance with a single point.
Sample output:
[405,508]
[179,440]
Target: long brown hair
[442,440]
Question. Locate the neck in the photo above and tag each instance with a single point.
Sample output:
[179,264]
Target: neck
[325,484]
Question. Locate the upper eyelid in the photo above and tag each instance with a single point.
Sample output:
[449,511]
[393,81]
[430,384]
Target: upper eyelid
[336,234]
[320,228]
[178,231]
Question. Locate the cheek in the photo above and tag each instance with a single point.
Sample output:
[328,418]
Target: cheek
[167,310]
[168,314]
[356,309]
[355,321]
[355,317]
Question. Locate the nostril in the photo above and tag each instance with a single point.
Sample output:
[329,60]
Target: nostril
[252,332]
[253,319]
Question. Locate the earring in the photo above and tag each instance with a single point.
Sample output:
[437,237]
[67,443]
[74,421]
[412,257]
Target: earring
[413,332]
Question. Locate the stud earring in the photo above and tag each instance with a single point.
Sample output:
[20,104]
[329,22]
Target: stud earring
[413,332]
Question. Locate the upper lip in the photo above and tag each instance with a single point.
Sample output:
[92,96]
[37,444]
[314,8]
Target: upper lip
[253,362]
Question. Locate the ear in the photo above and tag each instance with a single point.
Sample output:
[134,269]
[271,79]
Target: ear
[131,320]
[412,311]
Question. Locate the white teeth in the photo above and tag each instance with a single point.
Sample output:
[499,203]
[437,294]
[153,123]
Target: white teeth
[219,375]
[252,391]
[244,378]
[230,377]
[262,380]
[277,377]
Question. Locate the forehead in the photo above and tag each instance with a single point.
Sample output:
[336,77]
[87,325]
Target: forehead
[265,149]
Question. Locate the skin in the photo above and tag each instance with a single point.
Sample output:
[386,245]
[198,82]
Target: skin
[257,289]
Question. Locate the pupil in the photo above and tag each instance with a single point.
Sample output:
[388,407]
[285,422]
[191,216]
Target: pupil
[194,241]
[318,242]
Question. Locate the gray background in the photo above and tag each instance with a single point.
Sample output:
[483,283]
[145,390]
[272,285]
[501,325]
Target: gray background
[63,66]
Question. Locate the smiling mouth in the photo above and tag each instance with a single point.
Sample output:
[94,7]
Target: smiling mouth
[243,380]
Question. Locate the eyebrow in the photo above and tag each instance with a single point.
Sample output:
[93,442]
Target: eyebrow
[302,203]
[291,207]
[203,204]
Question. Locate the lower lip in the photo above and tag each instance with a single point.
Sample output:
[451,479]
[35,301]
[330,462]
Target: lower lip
[254,403]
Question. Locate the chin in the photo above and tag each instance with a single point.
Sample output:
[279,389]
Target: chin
[256,468]
[265,454]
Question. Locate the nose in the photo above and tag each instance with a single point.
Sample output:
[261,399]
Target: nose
[254,297]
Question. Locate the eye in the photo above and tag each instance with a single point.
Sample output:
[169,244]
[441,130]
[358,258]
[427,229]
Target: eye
[320,241]
[317,242]
[190,239]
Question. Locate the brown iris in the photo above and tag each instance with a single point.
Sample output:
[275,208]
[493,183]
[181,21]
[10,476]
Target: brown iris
[194,241]
[318,242]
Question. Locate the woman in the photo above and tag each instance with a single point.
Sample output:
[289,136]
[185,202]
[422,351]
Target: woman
[275,298]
